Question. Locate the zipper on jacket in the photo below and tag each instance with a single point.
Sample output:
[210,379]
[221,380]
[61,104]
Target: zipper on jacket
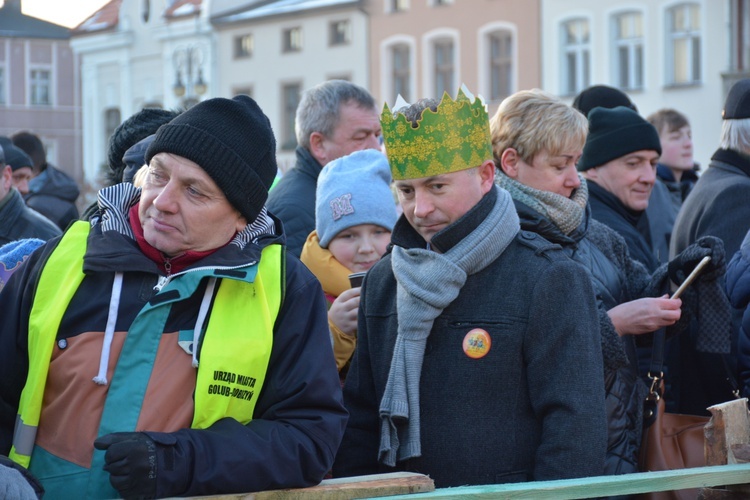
[163,280]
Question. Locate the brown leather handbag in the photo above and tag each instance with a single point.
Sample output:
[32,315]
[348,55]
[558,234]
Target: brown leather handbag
[670,440]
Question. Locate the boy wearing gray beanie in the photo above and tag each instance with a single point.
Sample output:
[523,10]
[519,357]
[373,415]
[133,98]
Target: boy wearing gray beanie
[354,215]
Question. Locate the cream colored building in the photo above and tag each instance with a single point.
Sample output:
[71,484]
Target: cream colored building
[420,48]
[136,54]
[681,54]
[274,51]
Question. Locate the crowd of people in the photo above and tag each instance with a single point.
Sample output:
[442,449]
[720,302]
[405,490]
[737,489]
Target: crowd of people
[203,329]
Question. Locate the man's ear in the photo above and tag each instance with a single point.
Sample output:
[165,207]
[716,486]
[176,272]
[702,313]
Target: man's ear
[591,173]
[317,147]
[487,175]
[509,162]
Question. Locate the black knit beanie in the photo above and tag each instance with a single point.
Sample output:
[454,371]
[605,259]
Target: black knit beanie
[601,96]
[737,105]
[614,133]
[232,140]
[134,128]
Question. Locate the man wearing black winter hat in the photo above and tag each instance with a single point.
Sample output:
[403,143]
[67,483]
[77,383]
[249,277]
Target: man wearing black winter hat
[619,161]
[209,351]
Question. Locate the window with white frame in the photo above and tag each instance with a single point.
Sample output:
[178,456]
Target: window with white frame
[2,85]
[40,90]
[244,45]
[400,72]
[444,67]
[628,48]
[683,44]
[111,121]
[398,5]
[290,95]
[242,90]
[576,55]
[500,45]
[292,39]
[340,32]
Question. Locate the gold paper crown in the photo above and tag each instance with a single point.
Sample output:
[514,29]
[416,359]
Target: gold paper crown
[455,137]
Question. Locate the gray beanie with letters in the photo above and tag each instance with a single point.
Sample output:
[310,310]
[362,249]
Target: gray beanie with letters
[354,190]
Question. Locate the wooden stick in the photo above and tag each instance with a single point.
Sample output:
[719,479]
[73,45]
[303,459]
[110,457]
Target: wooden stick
[691,277]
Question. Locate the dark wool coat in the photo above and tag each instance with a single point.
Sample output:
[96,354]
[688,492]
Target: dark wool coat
[531,409]
[17,221]
[617,279]
[293,200]
[717,206]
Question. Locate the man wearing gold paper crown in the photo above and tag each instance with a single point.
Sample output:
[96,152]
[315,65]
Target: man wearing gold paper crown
[471,365]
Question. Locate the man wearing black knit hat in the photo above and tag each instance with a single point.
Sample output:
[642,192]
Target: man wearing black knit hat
[212,367]
[619,159]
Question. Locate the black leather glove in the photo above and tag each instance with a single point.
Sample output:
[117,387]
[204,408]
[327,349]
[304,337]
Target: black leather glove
[680,267]
[131,462]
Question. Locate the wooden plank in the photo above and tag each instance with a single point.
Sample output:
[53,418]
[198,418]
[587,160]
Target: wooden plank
[729,426]
[592,487]
[375,485]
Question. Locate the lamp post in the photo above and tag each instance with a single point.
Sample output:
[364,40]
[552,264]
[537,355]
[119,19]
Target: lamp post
[188,63]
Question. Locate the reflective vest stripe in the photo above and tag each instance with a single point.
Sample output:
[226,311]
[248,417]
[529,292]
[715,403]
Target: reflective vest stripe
[57,277]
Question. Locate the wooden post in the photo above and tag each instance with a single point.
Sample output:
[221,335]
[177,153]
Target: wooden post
[727,442]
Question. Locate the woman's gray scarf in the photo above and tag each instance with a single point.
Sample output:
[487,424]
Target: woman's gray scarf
[565,213]
[427,282]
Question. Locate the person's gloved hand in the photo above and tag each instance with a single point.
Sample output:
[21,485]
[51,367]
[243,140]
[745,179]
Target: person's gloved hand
[131,462]
[680,267]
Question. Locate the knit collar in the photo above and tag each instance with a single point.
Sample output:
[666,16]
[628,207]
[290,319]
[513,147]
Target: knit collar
[566,213]
[734,158]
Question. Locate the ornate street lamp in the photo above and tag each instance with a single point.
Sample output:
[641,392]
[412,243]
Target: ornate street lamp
[187,61]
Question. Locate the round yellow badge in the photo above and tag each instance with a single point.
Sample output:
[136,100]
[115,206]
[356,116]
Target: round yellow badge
[477,343]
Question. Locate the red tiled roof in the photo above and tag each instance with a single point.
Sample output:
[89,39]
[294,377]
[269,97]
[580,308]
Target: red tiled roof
[103,19]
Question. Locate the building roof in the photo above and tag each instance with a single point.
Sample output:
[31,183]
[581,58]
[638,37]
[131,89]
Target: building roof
[182,8]
[108,16]
[16,24]
[103,19]
[261,9]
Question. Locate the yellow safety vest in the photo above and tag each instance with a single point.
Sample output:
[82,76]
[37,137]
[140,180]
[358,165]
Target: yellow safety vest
[233,360]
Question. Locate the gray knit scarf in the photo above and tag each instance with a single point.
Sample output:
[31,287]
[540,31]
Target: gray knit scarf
[565,213]
[427,282]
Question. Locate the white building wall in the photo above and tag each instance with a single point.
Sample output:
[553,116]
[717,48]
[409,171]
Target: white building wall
[701,103]
[269,68]
[133,66]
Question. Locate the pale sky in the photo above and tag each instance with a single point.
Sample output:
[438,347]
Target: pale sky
[68,13]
